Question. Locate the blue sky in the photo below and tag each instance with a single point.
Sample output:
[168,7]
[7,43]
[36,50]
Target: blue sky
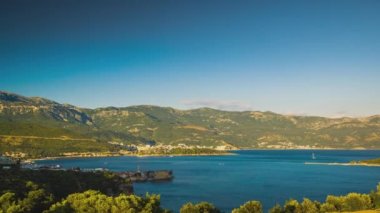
[294,57]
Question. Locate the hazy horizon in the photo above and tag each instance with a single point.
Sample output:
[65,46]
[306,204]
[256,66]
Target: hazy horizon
[295,57]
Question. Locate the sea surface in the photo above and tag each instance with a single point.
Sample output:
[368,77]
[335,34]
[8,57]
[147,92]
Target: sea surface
[228,181]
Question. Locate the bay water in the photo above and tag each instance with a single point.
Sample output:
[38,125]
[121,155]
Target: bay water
[269,176]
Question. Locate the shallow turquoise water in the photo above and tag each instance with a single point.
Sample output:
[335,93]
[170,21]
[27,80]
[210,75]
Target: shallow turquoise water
[228,181]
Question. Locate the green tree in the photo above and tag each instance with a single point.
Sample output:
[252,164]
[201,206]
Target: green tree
[202,207]
[355,202]
[334,203]
[249,207]
[61,207]
[308,206]
[375,197]
[292,206]
[328,207]
[8,203]
[350,202]
[276,209]
[34,199]
[95,201]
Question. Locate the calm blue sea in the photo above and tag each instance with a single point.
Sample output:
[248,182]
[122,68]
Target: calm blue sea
[228,181]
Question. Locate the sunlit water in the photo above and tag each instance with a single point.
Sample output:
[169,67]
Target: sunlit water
[228,181]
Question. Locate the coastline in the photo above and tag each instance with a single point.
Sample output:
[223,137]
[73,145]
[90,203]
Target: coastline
[225,153]
[126,155]
[180,155]
[311,149]
[342,164]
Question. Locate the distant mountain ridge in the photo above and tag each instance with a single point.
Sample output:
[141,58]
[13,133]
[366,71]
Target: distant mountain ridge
[19,105]
[23,116]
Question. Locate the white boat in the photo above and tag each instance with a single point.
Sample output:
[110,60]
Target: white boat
[313,156]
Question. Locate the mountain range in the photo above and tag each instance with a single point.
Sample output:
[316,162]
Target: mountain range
[41,127]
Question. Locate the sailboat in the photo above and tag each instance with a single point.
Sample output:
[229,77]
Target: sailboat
[313,156]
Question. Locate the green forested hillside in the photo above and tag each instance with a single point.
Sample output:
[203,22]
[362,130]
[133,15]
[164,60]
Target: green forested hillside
[40,125]
[241,129]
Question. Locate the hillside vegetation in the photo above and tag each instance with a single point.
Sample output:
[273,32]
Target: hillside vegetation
[66,128]
[71,191]
[36,190]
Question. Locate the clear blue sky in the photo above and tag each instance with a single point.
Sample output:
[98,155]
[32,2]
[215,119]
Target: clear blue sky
[295,57]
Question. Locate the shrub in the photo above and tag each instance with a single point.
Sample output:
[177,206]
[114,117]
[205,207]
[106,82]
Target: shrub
[328,207]
[308,206]
[375,197]
[276,209]
[355,202]
[94,201]
[202,207]
[249,207]
[34,199]
[336,202]
[292,206]
[350,202]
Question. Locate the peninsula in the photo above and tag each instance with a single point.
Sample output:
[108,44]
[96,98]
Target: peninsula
[369,162]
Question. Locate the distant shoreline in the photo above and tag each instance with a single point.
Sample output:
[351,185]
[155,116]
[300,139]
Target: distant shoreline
[343,164]
[129,155]
[179,155]
[229,152]
[311,149]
